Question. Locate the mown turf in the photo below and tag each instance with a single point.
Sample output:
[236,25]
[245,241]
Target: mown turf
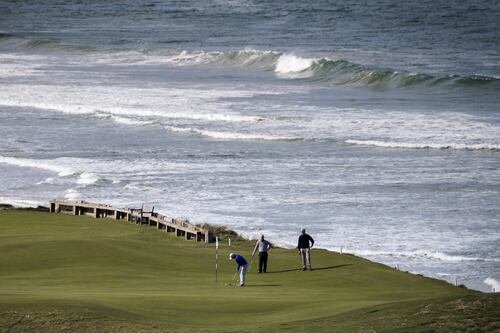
[69,274]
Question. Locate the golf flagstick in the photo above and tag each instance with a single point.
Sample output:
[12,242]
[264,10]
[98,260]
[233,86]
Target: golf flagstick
[216,257]
[250,267]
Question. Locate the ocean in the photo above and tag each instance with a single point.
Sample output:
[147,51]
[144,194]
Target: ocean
[374,125]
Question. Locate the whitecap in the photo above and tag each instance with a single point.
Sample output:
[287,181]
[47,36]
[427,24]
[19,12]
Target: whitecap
[231,135]
[494,284]
[434,255]
[425,145]
[72,194]
[87,178]
[289,63]
[49,165]
[21,203]
[130,121]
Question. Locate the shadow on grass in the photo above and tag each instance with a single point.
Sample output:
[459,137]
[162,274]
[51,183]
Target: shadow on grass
[314,269]
[255,285]
[262,285]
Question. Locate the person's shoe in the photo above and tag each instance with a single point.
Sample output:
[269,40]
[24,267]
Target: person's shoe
[241,285]
[304,269]
[265,272]
[310,268]
[259,272]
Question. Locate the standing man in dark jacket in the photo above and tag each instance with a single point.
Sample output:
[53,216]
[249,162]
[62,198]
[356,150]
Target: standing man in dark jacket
[305,243]
[263,246]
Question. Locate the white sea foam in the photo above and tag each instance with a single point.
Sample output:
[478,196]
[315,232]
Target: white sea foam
[230,135]
[72,194]
[87,178]
[415,130]
[130,121]
[53,166]
[211,117]
[62,167]
[128,105]
[20,65]
[50,180]
[112,112]
[433,255]
[190,106]
[494,284]
[132,187]
[423,145]
[71,109]
[179,129]
[289,63]
[21,203]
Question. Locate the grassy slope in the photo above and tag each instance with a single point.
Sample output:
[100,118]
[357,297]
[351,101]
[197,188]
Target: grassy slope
[66,273]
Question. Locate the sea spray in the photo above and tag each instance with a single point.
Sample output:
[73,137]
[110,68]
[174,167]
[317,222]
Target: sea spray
[494,284]
[289,63]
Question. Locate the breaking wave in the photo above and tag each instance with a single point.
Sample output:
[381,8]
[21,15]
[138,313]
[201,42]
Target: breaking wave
[231,135]
[494,284]
[83,178]
[21,203]
[124,115]
[61,171]
[130,121]
[343,72]
[461,146]
[285,65]
[87,178]
[291,64]
[434,255]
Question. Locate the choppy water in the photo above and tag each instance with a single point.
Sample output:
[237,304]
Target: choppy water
[374,125]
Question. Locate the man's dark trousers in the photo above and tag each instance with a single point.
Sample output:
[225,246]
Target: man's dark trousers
[262,262]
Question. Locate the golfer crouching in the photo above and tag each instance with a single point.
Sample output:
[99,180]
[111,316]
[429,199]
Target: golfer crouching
[241,266]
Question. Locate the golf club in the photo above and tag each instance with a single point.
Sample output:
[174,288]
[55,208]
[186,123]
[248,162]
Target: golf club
[233,281]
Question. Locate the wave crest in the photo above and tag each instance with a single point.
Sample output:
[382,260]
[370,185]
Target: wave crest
[413,145]
[434,255]
[231,135]
[343,72]
[62,171]
[84,178]
[494,284]
[289,63]
[285,65]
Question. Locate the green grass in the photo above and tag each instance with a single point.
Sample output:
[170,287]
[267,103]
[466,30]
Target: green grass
[70,274]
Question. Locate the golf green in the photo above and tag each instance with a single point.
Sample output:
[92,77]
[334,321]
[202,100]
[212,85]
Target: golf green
[74,273]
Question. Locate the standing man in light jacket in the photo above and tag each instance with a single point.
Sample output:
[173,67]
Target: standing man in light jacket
[305,244]
[263,246]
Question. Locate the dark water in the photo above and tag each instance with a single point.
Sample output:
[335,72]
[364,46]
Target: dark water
[375,125]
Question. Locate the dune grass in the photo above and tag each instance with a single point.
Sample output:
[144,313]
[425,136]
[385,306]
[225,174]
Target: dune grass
[69,273]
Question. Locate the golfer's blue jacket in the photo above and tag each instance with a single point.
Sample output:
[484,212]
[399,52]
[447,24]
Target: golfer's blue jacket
[240,261]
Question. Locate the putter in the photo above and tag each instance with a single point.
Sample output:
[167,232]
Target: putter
[233,281]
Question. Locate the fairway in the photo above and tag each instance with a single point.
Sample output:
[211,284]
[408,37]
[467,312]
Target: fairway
[68,273]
